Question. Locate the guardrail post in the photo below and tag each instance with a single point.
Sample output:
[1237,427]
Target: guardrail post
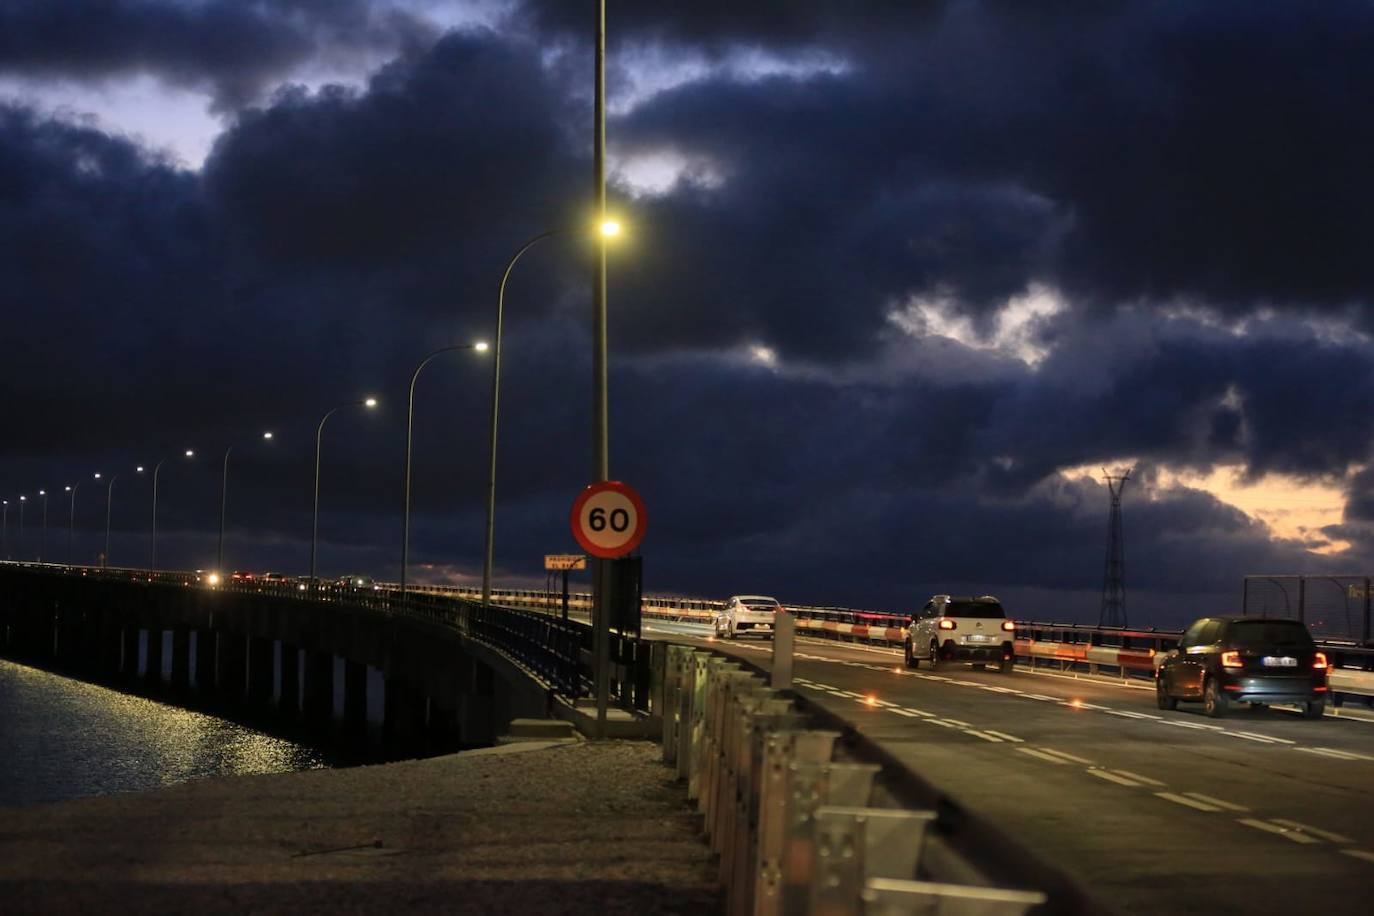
[781,750]
[765,713]
[895,897]
[812,785]
[784,640]
[855,844]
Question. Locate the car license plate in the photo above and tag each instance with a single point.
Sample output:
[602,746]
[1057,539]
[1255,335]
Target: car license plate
[977,637]
[1280,661]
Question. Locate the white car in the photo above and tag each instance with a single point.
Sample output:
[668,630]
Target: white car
[747,615]
[961,630]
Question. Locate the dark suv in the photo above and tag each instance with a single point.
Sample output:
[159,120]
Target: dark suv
[1220,660]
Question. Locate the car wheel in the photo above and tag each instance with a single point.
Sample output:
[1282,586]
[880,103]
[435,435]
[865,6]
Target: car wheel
[934,656]
[1162,698]
[910,657]
[1314,710]
[1213,700]
[1005,666]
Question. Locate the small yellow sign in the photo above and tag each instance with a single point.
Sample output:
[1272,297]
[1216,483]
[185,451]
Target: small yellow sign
[565,561]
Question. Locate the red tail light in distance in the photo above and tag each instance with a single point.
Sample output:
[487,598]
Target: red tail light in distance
[947,624]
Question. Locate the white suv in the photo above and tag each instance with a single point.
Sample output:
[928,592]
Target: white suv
[961,629]
[747,614]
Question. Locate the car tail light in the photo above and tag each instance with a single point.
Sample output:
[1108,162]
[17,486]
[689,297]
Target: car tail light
[1319,660]
[1009,625]
[1231,659]
[947,624]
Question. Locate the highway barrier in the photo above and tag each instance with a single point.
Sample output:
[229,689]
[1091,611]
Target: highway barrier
[796,828]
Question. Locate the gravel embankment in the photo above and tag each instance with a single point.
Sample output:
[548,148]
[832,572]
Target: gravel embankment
[525,829]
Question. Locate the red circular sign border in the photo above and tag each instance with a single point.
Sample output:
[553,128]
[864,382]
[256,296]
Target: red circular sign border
[614,486]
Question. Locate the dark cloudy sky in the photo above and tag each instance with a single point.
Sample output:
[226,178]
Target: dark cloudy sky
[898,279]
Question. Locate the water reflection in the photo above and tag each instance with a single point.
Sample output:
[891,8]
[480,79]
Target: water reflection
[61,739]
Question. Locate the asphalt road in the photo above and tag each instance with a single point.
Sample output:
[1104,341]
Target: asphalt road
[1157,812]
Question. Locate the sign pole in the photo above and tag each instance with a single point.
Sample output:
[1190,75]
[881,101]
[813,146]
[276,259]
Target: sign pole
[565,596]
[601,618]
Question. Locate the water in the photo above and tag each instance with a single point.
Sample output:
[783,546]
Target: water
[62,739]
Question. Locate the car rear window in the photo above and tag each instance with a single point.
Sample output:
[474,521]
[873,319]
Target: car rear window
[974,609]
[1258,634]
[770,605]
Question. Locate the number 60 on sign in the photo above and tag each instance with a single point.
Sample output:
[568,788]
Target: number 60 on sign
[608,519]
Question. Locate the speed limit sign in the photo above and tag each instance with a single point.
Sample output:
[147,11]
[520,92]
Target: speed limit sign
[608,519]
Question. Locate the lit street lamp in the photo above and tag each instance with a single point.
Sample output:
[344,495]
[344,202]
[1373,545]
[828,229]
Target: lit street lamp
[109,498]
[224,501]
[480,347]
[5,529]
[369,403]
[608,229]
[22,500]
[152,558]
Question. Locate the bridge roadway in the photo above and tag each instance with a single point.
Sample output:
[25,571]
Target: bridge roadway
[1156,812]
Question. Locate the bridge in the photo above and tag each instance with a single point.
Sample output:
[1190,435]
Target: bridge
[1060,776]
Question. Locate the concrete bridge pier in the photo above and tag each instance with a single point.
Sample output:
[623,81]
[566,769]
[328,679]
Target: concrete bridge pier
[355,700]
[181,659]
[477,706]
[319,688]
[261,668]
[128,660]
[441,725]
[152,676]
[289,685]
[205,660]
[403,723]
[231,665]
[108,645]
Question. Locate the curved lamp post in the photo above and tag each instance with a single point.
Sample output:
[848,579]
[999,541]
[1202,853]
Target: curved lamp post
[109,498]
[224,502]
[22,499]
[480,347]
[152,551]
[71,518]
[43,531]
[369,403]
[608,229]
[5,529]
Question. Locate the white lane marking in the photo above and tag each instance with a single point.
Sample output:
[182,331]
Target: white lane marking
[920,712]
[1067,756]
[1138,778]
[1209,800]
[1129,715]
[905,712]
[1330,752]
[1005,737]
[884,703]
[1285,832]
[1249,737]
[984,735]
[992,689]
[1305,828]
[942,723]
[1032,752]
[1041,697]
[1177,724]
[1359,854]
[959,722]
[850,693]
[1113,777]
[1266,737]
[1184,800]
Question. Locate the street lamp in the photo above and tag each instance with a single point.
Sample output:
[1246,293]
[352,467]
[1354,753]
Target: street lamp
[152,558]
[43,531]
[480,347]
[5,529]
[109,499]
[22,500]
[71,519]
[608,228]
[224,501]
[369,403]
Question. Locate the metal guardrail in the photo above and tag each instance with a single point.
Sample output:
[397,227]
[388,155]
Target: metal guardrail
[796,829]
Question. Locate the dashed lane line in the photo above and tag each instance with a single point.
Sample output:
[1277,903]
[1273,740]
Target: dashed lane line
[1305,828]
[983,735]
[1209,800]
[1005,737]
[1145,780]
[1040,755]
[1113,777]
[1186,801]
[1074,758]
[1359,854]
[1287,833]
